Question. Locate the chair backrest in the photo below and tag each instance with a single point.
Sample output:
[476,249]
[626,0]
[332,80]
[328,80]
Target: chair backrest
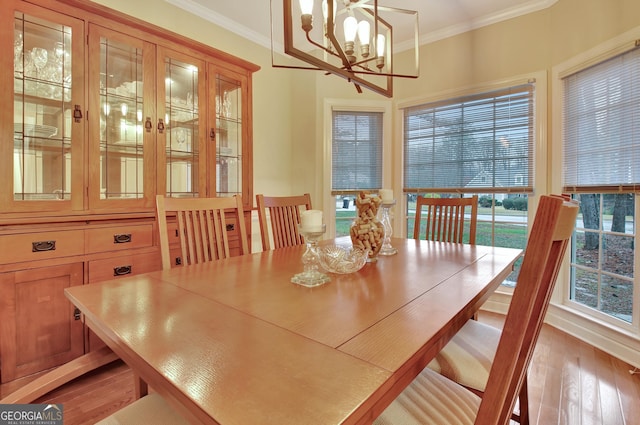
[550,234]
[284,216]
[202,227]
[445,218]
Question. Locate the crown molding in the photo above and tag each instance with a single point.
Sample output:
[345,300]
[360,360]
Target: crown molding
[483,21]
[222,21]
[426,38]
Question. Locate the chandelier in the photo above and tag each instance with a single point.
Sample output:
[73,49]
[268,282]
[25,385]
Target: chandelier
[353,39]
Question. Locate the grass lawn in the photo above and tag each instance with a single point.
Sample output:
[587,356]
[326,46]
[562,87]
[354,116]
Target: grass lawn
[504,234]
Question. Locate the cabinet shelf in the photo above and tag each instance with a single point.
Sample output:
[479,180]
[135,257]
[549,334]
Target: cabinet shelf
[115,100]
[40,144]
[51,102]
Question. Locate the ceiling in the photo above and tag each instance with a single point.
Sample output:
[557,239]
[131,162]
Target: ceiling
[437,19]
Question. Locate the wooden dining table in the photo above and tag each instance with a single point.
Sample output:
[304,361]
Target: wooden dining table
[235,342]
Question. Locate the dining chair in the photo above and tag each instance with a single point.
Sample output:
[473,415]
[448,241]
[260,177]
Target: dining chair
[468,357]
[284,217]
[444,218]
[203,227]
[431,398]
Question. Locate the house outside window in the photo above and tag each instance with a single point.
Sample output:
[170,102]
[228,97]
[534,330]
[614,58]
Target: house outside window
[480,143]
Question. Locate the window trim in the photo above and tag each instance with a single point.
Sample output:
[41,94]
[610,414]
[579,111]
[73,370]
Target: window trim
[352,105]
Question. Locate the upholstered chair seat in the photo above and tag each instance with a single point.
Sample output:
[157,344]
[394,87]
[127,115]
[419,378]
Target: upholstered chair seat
[431,399]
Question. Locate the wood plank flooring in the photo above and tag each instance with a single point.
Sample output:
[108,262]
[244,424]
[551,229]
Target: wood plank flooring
[570,383]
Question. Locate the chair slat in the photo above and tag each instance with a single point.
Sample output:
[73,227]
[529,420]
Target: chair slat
[284,217]
[202,227]
[444,218]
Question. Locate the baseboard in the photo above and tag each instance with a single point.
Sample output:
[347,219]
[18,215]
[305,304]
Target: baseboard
[601,335]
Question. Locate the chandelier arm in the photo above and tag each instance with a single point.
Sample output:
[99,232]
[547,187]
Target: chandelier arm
[361,64]
[320,46]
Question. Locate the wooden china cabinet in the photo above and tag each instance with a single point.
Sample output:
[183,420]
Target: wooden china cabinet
[100,113]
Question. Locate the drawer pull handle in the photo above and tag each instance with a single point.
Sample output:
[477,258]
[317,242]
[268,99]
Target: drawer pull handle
[43,246]
[230,227]
[122,238]
[121,270]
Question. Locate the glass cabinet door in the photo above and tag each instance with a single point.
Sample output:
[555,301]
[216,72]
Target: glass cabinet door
[181,99]
[47,97]
[230,94]
[122,123]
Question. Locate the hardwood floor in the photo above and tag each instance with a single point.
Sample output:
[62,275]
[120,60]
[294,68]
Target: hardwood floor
[573,383]
[570,382]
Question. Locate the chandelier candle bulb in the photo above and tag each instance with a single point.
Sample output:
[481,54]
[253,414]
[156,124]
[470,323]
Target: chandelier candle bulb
[386,195]
[311,220]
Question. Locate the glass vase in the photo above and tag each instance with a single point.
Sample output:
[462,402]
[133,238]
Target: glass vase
[367,231]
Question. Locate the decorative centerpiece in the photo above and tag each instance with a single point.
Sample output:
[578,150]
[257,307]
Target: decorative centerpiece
[387,202]
[312,229]
[342,260]
[367,232]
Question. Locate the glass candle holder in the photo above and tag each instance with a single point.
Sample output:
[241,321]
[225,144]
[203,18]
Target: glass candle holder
[311,276]
[385,218]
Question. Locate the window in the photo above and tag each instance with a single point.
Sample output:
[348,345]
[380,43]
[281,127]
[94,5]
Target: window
[480,143]
[601,164]
[356,160]
[356,154]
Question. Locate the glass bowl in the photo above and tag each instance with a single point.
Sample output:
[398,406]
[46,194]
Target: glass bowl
[342,260]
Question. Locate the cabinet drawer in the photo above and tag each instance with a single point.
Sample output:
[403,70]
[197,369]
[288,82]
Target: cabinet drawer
[172,232]
[40,246]
[119,238]
[125,265]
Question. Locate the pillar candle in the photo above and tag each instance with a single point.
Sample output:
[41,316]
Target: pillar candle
[386,195]
[311,220]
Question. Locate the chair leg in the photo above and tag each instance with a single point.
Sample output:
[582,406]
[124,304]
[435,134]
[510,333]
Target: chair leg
[141,388]
[523,401]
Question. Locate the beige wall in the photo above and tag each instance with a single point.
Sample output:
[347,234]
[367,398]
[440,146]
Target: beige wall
[288,104]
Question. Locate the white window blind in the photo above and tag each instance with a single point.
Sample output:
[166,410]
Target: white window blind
[356,151]
[481,143]
[601,120]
